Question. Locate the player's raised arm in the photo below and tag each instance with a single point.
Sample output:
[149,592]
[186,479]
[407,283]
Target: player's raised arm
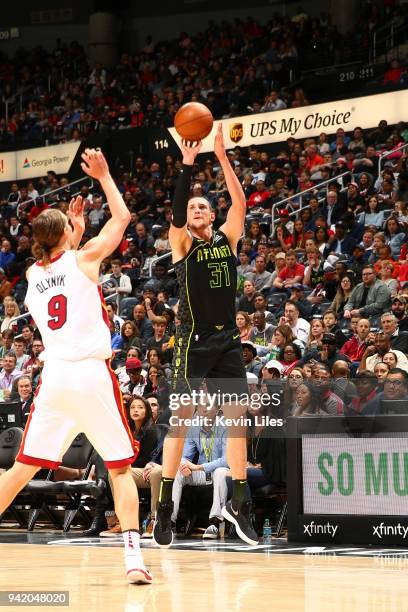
[180,239]
[234,224]
[111,234]
[76,216]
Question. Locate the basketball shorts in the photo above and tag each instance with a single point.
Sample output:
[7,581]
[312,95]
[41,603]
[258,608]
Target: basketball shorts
[77,397]
[213,356]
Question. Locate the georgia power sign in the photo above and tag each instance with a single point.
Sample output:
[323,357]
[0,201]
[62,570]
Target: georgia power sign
[37,162]
[308,121]
[355,476]
[31,163]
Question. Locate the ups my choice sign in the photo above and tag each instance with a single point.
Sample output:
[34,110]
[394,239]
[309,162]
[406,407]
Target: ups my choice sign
[308,121]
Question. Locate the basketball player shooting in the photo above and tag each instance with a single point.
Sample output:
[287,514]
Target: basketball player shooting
[208,342]
[78,391]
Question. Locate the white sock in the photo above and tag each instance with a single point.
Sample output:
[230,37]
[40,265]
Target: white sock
[133,554]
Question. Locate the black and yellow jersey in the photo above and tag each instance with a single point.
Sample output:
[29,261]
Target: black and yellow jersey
[207,278]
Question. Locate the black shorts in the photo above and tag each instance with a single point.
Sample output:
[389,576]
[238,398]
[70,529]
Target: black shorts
[211,356]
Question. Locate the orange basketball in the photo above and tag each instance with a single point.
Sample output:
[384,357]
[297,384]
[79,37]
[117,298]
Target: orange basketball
[193,121]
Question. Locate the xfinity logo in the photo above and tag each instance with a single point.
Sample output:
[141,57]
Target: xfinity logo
[382,529]
[314,529]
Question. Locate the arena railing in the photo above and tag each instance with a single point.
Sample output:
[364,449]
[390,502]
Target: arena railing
[386,38]
[297,198]
[45,196]
[388,153]
[153,263]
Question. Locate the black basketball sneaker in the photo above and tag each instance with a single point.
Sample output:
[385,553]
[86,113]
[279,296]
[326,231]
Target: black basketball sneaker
[162,530]
[240,516]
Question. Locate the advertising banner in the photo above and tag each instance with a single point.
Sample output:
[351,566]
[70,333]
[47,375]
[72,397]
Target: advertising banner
[32,163]
[8,166]
[309,121]
[355,476]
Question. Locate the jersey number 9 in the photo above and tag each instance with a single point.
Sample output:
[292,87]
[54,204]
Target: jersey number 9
[57,310]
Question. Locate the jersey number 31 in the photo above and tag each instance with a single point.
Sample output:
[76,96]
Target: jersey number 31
[57,310]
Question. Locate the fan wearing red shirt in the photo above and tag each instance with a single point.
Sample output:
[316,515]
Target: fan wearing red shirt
[258,197]
[313,158]
[355,347]
[291,274]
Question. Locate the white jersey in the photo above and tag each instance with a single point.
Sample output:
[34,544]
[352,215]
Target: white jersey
[69,311]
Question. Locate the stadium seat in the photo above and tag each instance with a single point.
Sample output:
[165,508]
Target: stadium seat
[78,456]
[10,441]
[126,307]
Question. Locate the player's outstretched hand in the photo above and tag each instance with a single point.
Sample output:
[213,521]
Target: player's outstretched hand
[190,151]
[219,146]
[95,164]
[76,212]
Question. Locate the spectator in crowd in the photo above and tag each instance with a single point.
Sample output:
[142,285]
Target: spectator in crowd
[244,324]
[344,291]
[117,282]
[130,336]
[5,285]
[135,383]
[33,365]
[19,350]
[290,356]
[251,362]
[261,305]
[8,374]
[366,385]
[399,310]
[117,321]
[260,276]
[369,298]
[381,370]
[246,301]
[159,340]
[356,346]
[395,388]
[340,243]
[142,322]
[204,463]
[6,254]
[389,325]
[261,332]
[11,311]
[308,400]
[300,327]
[139,416]
[291,274]
[375,354]
[330,402]
[331,325]
[25,395]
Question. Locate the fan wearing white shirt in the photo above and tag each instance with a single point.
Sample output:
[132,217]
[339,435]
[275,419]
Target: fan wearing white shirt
[300,327]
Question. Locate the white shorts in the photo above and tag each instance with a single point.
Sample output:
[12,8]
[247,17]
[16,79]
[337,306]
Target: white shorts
[77,397]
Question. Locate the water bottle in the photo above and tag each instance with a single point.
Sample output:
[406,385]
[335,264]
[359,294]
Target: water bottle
[267,532]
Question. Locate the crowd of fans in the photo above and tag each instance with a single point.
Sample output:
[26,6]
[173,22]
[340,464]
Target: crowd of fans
[234,68]
[322,292]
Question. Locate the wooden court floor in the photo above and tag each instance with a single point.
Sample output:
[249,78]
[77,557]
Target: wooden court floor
[196,581]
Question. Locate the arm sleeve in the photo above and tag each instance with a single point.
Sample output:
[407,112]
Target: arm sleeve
[181,195]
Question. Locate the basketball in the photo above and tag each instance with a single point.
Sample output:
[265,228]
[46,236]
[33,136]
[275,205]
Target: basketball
[193,121]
